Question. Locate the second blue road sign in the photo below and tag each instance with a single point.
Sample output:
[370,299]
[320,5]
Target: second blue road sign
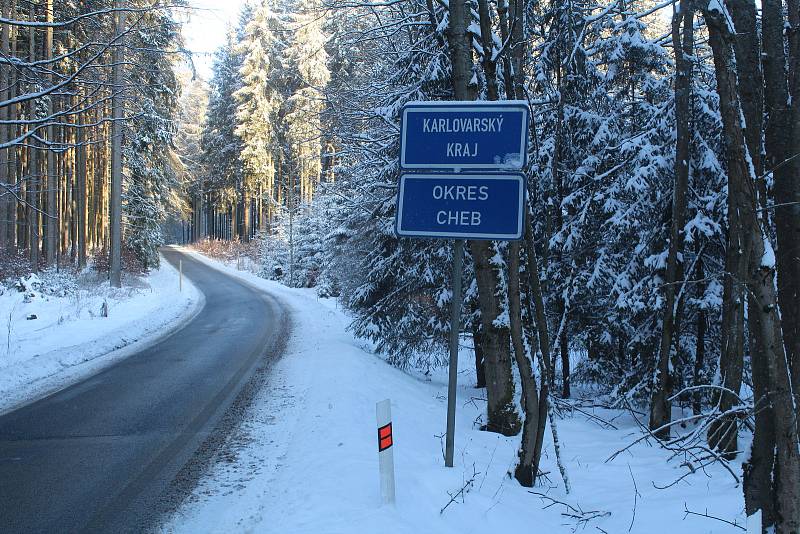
[461,206]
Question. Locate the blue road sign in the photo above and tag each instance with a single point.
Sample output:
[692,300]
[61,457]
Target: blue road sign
[461,206]
[478,135]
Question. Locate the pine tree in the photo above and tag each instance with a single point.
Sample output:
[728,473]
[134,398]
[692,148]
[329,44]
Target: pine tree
[149,158]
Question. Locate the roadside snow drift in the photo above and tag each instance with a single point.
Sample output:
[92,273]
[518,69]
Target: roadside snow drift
[305,460]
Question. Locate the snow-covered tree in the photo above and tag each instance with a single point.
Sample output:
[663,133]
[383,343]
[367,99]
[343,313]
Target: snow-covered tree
[150,175]
[221,146]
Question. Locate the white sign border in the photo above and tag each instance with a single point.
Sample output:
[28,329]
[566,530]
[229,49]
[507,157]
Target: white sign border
[460,106]
[464,235]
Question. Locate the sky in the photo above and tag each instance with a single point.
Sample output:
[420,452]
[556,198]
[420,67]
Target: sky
[205,31]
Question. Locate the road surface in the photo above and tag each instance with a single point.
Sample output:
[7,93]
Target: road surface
[103,455]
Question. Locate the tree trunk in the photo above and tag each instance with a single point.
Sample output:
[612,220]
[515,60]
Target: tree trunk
[791,253]
[554,216]
[563,349]
[487,61]
[722,435]
[80,178]
[758,467]
[11,154]
[199,209]
[460,50]
[508,77]
[116,153]
[683,44]
[537,298]
[768,345]
[502,415]
[700,345]
[51,181]
[764,324]
[750,83]
[98,166]
[244,232]
[782,160]
[6,199]
[751,90]
[530,401]
[33,168]
[477,347]
[517,51]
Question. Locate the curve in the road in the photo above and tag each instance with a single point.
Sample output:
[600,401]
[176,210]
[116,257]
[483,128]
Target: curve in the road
[103,454]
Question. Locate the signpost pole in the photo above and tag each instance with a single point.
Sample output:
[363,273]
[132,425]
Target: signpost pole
[455,326]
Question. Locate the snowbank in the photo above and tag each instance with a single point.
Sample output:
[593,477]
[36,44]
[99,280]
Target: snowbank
[52,335]
[305,460]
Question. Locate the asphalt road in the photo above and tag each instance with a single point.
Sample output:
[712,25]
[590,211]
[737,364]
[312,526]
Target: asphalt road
[110,453]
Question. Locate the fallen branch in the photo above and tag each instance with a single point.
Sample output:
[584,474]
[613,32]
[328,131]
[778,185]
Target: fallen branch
[692,445]
[573,512]
[705,514]
[636,496]
[561,403]
[461,492]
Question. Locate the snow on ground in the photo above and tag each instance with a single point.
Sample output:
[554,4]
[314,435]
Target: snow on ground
[70,338]
[305,459]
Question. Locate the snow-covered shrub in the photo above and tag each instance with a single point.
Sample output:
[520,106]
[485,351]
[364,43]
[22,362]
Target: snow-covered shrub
[13,264]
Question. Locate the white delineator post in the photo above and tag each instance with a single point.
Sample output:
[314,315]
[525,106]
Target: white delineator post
[180,275]
[383,411]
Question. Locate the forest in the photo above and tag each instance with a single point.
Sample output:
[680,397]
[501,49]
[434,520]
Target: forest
[660,266]
[84,86]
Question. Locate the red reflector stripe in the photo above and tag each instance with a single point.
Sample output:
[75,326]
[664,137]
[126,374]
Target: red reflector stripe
[385,437]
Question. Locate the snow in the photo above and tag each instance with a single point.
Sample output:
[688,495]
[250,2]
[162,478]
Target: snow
[754,523]
[715,5]
[768,259]
[305,459]
[719,7]
[70,339]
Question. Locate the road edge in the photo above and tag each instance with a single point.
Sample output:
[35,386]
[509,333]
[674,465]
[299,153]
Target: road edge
[221,438]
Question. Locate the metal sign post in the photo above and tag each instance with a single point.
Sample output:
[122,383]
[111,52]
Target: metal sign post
[455,323]
[488,142]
